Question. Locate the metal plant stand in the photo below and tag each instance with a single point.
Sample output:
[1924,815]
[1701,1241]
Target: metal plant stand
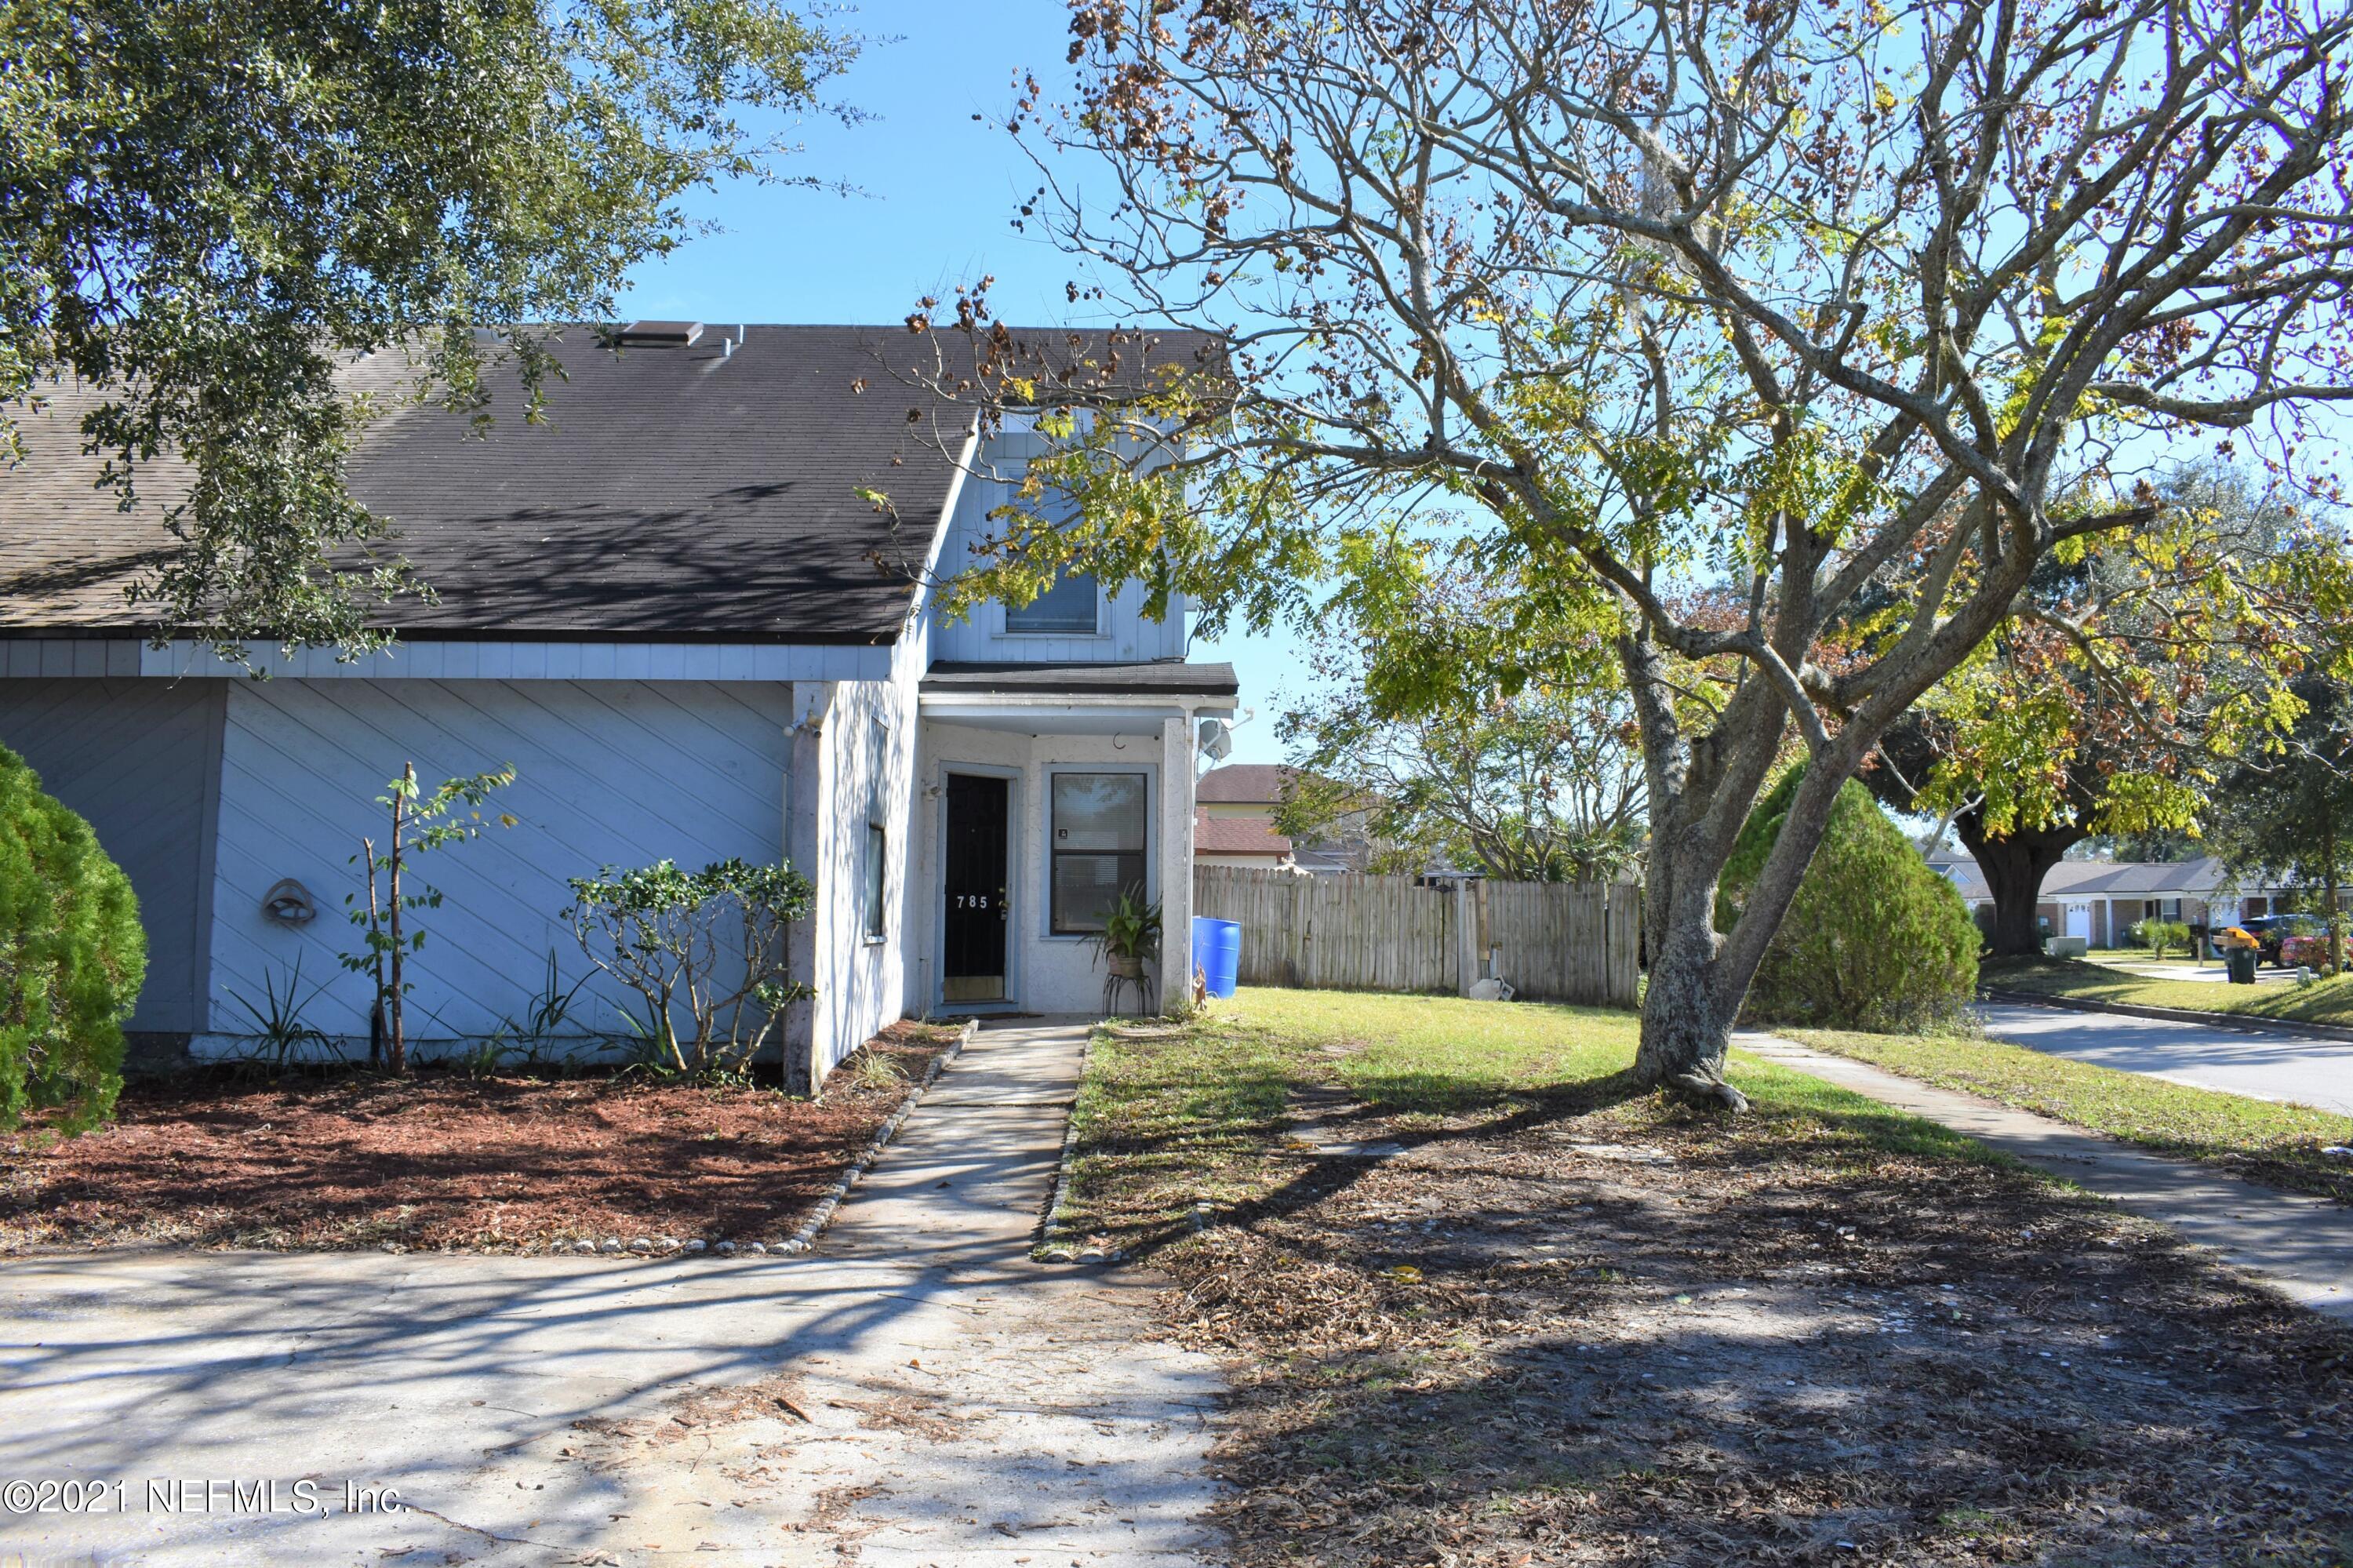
[1115,986]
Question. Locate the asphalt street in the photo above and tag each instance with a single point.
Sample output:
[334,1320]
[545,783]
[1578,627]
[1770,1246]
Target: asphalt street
[2269,1063]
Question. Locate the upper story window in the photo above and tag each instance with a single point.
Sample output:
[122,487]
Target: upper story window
[1068,609]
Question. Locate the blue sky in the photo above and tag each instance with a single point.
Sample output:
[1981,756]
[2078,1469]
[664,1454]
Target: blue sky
[939,189]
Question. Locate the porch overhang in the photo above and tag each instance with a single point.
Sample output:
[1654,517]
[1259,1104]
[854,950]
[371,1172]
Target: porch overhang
[1077,699]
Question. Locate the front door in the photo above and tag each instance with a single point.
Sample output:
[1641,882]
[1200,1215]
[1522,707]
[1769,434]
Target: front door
[975,924]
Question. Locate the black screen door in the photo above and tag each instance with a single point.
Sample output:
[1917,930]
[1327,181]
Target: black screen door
[976,879]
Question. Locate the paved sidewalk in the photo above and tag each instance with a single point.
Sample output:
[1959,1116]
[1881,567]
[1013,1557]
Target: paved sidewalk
[914,1391]
[2301,1246]
[2272,1063]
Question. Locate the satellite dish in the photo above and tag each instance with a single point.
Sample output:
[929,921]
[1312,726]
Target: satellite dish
[1217,739]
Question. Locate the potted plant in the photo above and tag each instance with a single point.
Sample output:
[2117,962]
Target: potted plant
[1130,934]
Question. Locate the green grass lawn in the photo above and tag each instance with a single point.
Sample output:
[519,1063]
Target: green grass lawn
[2323,1002]
[1165,1122]
[1478,1298]
[2261,1140]
[2175,958]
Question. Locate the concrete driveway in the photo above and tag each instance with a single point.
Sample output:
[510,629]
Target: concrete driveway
[2270,1064]
[914,1392]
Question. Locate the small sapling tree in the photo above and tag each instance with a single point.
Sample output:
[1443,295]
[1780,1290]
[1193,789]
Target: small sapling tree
[419,824]
[1874,939]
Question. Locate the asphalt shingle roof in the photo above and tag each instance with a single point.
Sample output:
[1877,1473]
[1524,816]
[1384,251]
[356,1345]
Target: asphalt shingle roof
[675,493]
[2199,877]
[1235,835]
[1150,678]
[1243,783]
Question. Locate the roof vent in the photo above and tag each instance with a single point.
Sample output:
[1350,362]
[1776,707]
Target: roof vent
[660,335]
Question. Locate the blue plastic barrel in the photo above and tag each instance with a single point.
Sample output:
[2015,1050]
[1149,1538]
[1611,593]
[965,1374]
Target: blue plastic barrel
[1218,953]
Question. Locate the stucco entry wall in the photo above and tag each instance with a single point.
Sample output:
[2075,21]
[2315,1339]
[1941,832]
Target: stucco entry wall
[1053,973]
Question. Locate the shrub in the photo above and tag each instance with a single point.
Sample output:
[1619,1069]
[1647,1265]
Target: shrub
[2307,952]
[73,958]
[711,943]
[2161,936]
[1874,939]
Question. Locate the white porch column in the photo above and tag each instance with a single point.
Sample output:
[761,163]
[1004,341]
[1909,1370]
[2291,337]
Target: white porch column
[1175,862]
[808,790]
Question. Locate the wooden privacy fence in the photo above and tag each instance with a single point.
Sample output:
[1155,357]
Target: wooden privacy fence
[1551,941]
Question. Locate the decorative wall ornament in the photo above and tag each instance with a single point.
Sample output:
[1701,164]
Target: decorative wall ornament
[288,903]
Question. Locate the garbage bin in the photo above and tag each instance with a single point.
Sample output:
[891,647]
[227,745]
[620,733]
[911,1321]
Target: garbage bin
[2240,965]
[1217,953]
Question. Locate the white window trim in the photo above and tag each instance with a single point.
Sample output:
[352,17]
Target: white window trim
[868,935]
[1005,627]
[1150,774]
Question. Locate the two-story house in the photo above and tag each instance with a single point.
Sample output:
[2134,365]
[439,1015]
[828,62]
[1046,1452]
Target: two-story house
[1235,825]
[679,611]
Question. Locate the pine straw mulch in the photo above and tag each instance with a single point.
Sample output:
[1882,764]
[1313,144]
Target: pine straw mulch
[1586,1332]
[445,1161]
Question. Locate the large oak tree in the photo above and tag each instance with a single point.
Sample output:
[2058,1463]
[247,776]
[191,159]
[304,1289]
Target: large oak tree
[1788,306]
[2129,679]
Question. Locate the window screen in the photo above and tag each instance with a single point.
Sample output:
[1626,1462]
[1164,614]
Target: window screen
[876,844]
[1069,608]
[1098,846]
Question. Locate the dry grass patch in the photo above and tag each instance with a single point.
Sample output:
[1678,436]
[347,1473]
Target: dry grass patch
[1564,1322]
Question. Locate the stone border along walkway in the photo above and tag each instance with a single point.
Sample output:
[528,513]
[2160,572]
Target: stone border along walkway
[913,1390]
[1054,1243]
[2301,1246]
[802,1239]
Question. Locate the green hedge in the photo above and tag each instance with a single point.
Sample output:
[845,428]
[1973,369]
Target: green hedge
[73,958]
[1873,941]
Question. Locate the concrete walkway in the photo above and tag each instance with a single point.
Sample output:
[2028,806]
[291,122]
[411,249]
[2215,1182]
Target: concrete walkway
[2301,1246]
[2270,1064]
[914,1391]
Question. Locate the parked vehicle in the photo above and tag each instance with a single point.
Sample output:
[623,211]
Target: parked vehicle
[2271,931]
[2311,952]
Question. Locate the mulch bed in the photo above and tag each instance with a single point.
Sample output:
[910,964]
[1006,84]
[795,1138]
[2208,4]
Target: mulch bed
[445,1161]
[1636,1335]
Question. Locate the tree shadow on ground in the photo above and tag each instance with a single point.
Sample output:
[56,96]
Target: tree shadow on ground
[1597,1327]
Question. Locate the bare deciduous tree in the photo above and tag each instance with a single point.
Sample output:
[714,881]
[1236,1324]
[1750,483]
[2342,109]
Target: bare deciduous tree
[1780,300]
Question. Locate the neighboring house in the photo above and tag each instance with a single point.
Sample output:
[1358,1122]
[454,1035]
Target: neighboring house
[1240,841]
[1236,824]
[679,612]
[2102,900]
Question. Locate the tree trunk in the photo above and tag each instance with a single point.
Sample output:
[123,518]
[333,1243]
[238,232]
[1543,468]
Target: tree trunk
[1686,1031]
[2014,867]
[2329,889]
[396,1052]
[1699,978]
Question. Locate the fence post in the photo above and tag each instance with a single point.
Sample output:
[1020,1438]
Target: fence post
[1466,938]
[1294,947]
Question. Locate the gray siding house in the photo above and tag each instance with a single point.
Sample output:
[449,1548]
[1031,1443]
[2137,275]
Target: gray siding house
[2102,900]
[673,611]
